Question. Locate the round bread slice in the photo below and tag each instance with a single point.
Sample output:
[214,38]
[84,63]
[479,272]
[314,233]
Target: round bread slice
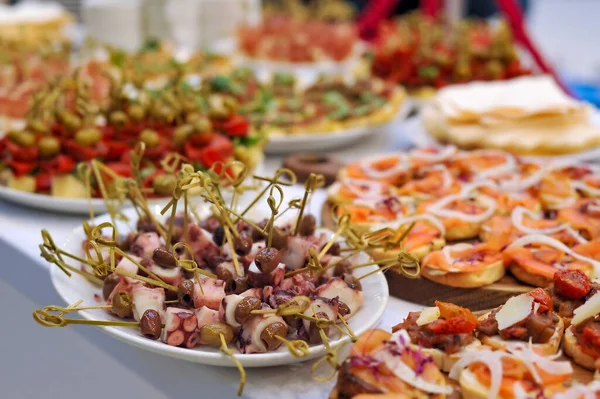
[574,351]
[547,349]
[527,277]
[472,279]
[463,231]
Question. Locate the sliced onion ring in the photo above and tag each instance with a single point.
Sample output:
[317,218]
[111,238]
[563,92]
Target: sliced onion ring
[443,154]
[509,165]
[517,221]
[438,208]
[456,247]
[366,166]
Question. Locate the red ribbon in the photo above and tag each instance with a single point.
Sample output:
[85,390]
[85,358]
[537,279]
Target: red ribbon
[512,12]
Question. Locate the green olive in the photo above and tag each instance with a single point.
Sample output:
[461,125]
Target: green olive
[150,138]
[136,112]
[217,109]
[164,184]
[22,137]
[202,125]
[122,305]
[38,126]
[245,307]
[49,146]
[71,121]
[192,117]
[231,104]
[210,334]
[118,118]
[181,134]
[270,334]
[88,137]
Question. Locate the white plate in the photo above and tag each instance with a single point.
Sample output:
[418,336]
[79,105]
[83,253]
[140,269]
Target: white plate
[78,206]
[294,143]
[75,288]
[73,206]
[420,137]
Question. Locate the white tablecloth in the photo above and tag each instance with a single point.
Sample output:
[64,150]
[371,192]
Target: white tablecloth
[80,361]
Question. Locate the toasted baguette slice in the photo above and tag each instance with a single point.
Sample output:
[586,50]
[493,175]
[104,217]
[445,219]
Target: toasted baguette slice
[573,350]
[548,348]
[527,277]
[486,276]
[463,231]
[444,360]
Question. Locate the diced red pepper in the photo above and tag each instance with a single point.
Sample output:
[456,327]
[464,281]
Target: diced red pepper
[43,182]
[21,153]
[79,152]
[122,169]
[200,140]
[116,149]
[543,298]
[21,168]
[236,126]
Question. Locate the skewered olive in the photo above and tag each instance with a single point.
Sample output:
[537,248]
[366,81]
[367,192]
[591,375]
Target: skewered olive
[88,137]
[314,337]
[267,259]
[150,324]
[185,292]
[257,234]
[308,225]
[219,236]
[210,224]
[341,268]
[164,184]
[49,146]
[231,104]
[181,134]
[164,258]
[122,305]
[236,285]
[242,243]
[335,249]
[270,333]
[136,112]
[243,309]
[214,260]
[210,334]
[192,116]
[280,238]
[223,273]
[118,118]
[110,282]
[150,138]
[202,125]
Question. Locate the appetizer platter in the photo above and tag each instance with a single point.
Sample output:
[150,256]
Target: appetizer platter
[248,285]
[90,118]
[417,52]
[485,224]
[528,116]
[317,115]
[446,351]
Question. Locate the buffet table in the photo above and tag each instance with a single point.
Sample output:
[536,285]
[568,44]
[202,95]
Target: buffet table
[81,360]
